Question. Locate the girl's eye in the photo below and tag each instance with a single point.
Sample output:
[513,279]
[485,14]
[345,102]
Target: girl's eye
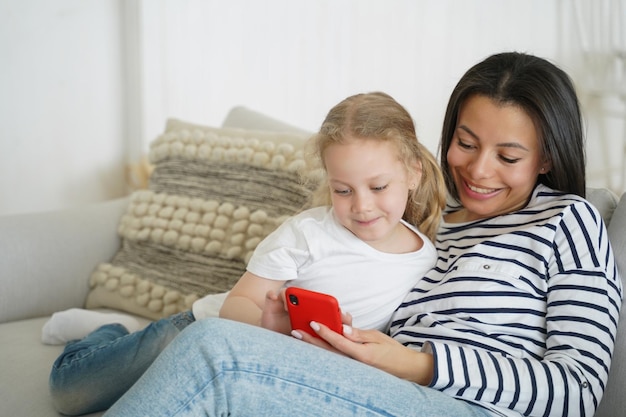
[342,192]
[381,188]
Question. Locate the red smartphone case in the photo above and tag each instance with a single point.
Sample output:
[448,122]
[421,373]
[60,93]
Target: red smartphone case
[305,306]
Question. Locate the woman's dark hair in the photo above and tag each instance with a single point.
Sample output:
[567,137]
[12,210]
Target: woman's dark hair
[546,93]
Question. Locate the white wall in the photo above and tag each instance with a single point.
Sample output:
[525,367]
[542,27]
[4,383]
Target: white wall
[85,86]
[61,109]
[303,57]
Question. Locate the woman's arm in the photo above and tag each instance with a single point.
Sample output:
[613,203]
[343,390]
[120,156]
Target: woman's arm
[376,349]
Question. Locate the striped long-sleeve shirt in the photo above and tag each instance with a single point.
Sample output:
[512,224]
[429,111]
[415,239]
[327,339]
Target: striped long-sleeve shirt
[520,311]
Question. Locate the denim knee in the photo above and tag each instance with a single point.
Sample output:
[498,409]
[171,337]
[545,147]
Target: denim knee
[72,401]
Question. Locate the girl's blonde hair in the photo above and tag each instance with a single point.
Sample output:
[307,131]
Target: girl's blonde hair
[378,116]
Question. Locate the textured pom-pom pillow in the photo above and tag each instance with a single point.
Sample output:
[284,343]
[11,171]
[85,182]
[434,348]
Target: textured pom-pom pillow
[213,195]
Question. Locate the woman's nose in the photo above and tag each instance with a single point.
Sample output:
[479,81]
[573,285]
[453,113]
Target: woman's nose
[480,166]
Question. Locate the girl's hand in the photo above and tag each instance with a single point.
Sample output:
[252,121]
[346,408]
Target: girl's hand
[274,315]
[375,349]
[246,300]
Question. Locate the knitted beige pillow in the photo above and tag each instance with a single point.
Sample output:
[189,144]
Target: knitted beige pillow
[214,194]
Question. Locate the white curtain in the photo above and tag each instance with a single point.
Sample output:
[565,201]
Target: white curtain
[599,27]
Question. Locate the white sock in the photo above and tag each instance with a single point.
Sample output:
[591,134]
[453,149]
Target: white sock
[77,323]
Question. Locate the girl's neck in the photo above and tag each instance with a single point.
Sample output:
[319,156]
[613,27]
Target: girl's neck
[403,240]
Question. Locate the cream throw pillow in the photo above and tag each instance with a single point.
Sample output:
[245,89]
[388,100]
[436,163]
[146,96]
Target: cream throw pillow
[214,194]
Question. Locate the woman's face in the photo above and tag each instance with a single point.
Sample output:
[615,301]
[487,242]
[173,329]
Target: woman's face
[494,158]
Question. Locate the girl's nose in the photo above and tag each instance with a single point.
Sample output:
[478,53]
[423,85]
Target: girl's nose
[361,202]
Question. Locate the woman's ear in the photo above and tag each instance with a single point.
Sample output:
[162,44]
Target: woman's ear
[545,167]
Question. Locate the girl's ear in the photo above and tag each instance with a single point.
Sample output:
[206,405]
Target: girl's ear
[415,175]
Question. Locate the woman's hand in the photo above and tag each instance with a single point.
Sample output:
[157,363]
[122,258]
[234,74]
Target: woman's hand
[375,349]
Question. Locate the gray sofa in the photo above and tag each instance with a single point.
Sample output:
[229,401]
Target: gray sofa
[47,258]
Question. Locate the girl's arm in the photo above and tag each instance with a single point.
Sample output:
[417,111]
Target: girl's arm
[245,301]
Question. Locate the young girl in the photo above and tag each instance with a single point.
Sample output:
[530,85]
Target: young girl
[360,244]
[366,242]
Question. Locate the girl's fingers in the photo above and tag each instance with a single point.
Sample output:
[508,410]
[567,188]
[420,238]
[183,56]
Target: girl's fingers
[346,318]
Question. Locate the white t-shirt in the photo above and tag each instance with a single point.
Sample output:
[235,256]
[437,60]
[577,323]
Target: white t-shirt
[313,251]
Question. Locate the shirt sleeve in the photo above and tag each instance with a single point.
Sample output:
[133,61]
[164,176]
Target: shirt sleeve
[280,255]
[582,309]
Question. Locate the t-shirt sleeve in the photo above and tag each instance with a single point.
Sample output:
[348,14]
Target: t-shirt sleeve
[281,253]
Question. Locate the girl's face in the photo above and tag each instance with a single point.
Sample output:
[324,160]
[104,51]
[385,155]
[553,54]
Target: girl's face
[369,188]
[494,158]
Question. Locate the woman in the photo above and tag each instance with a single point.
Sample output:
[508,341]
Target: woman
[518,316]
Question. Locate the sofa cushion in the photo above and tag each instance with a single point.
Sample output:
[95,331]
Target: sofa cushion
[21,345]
[213,195]
[26,364]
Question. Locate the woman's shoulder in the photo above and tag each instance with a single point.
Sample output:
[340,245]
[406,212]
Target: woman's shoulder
[546,195]
[545,199]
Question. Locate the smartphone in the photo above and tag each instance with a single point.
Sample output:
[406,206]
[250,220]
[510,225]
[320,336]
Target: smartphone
[305,306]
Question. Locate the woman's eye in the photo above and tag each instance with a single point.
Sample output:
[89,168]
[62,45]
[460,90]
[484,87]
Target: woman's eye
[464,145]
[509,160]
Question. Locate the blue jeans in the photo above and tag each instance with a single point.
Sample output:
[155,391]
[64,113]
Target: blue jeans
[218,367]
[92,373]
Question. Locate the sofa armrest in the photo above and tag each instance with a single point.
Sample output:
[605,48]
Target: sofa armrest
[604,200]
[46,258]
[614,402]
